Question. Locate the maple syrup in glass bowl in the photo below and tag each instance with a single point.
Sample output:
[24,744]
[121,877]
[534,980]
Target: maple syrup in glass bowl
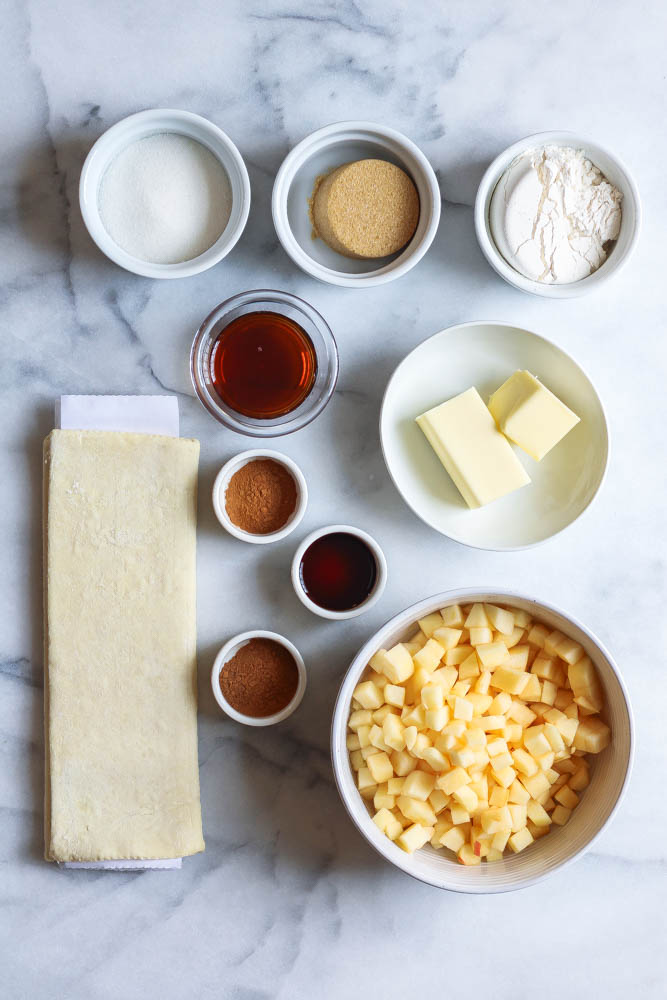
[264,363]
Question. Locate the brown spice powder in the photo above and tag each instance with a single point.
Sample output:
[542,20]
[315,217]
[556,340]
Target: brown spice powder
[260,679]
[261,496]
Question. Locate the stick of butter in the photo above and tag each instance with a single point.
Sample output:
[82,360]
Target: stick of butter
[530,415]
[479,459]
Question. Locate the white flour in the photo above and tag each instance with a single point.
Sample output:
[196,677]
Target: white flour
[554,214]
[165,198]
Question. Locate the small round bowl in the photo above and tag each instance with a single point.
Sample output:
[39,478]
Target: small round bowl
[610,771]
[318,154]
[380,581]
[615,172]
[140,126]
[229,650]
[220,489]
[265,300]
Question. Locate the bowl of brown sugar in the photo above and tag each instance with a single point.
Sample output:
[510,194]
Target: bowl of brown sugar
[260,496]
[258,678]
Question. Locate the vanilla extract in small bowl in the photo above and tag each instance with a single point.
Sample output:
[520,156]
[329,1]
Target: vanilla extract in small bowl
[339,572]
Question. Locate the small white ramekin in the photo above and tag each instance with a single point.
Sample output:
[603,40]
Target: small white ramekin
[222,481]
[229,650]
[139,126]
[317,154]
[380,581]
[615,172]
[610,770]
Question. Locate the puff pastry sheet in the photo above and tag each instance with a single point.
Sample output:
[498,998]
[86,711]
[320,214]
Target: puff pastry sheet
[122,778]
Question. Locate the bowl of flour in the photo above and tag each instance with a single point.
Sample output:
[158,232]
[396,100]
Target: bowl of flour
[556,214]
[165,193]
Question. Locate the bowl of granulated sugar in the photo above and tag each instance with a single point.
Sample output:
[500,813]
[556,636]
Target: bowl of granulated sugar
[165,193]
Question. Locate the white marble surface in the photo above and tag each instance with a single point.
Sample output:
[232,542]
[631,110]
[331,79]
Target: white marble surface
[288,900]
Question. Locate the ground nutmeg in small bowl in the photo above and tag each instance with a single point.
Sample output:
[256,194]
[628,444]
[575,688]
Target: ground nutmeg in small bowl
[261,678]
[261,497]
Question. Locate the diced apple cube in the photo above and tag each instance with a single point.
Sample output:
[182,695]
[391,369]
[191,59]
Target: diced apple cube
[532,690]
[387,822]
[592,735]
[521,839]
[513,732]
[480,702]
[435,759]
[500,619]
[519,816]
[418,785]
[453,657]
[356,759]
[517,793]
[501,761]
[445,677]
[466,797]
[380,767]
[447,637]
[476,739]
[462,709]
[537,814]
[491,654]
[415,716]
[467,856]
[482,684]
[489,723]
[421,743]
[437,718]
[362,717]
[382,799]
[430,656]
[377,738]
[414,837]
[454,839]
[494,820]
[518,658]
[432,696]
[352,741]
[554,737]
[452,616]
[469,667]
[365,779]
[536,831]
[560,815]
[368,695]
[535,741]
[438,801]
[566,797]
[520,713]
[551,642]
[511,681]
[500,704]
[535,784]
[545,761]
[394,695]
[564,698]
[477,617]
[393,732]
[453,780]
[403,762]
[569,650]
[463,757]
[583,680]
[430,623]
[515,638]
[416,810]
[523,762]
[499,841]
[538,635]
[481,636]
[410,736]
[505,777]
[459,814]
[364,734]
[580,779]
[395,663]
[499,797]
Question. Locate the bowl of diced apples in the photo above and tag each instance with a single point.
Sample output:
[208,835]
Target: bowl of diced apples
[482,740]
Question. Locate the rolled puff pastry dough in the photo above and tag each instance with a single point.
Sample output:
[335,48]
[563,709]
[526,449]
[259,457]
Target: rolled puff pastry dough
[122,779]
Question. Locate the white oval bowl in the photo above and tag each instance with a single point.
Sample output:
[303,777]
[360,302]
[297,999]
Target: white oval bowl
[319,153]
[614,170]
[220,489]
[380,582]
[564,483]
[610,770]
[139,126]
[229,650]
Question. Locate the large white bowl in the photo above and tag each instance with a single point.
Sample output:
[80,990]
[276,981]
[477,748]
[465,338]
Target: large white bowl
[319,153]
[610,771]
[562,485]
[613,169]
[139,126]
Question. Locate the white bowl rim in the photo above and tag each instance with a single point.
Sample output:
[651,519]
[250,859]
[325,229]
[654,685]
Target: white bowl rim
[95,227]
[380,561]
[412,613]
[377,276]
[225,474]
[557,347]
[225,654]
[487,244]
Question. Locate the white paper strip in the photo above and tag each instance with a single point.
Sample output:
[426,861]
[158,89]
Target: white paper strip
[139,415]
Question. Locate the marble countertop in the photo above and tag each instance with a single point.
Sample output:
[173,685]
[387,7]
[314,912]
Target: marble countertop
[288,900]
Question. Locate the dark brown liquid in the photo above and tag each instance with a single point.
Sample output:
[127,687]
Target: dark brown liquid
[263,365]
[338,571]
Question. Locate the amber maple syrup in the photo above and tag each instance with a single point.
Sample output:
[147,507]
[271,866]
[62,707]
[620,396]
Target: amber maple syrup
[338,571]
[263,365]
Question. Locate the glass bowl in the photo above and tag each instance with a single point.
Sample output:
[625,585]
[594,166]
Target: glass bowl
[296,309]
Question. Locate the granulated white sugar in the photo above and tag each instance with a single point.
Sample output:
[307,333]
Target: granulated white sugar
[165,199]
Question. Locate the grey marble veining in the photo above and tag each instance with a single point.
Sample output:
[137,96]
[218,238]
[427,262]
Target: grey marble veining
[288,901]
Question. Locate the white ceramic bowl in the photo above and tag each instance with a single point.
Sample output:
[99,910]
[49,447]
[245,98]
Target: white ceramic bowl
[318,154]
[610,770]
[139,126]
[614,170]
[380,580]
[229,650]
[563,484]
[220,489]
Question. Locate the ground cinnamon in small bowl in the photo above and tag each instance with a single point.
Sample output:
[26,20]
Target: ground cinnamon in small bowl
[261,497]
[260,679]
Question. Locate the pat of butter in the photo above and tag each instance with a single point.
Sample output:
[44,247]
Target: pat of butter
[465,438]
[530,415]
